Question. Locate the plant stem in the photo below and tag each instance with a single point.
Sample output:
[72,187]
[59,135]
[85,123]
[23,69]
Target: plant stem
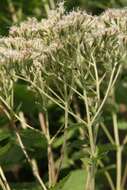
[12,11]
[118,152]
[89,124]
[3,178]
[2,184]
[31,162]
[41,91]
[46,6]
[96,127]
[63,149]
[52,4]
[111,81]
[77,111]
[116,76]
[124,178]
[92,146]
[107,133]
[97,81]
[51,164]
[107,176]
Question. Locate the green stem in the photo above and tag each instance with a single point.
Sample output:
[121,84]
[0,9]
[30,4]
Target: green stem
[97,81]
[63,149]
[46,6]
[3,178]
[111,81]
[89,124]
[124,178]
[107,133]
[41,91]
[108,177]
[51,163]
[118,153]
[12,11]
[31,162]
[52,4]
[92,146]
[2,184]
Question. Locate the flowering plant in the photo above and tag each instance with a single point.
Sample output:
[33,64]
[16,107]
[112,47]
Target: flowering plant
[71,61]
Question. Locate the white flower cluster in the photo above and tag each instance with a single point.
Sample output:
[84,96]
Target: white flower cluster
[61,32]
[116,18]
[65,48]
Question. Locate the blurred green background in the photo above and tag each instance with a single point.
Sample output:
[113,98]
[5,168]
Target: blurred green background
[14,11]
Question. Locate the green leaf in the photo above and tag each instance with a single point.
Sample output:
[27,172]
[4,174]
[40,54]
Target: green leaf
[76,125]
[10,152]
[78,155]
[5,149]
[73,127]
[122,125]
[59,141]
[121,96]
[13,156]
[33,139]
[4,134]
[5,142]
[106,168]
[3,120]
[24,98]
[75,180]
[103,148]
[25,186]
[34,142]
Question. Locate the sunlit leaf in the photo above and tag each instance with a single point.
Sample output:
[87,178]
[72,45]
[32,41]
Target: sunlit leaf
[75,180]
